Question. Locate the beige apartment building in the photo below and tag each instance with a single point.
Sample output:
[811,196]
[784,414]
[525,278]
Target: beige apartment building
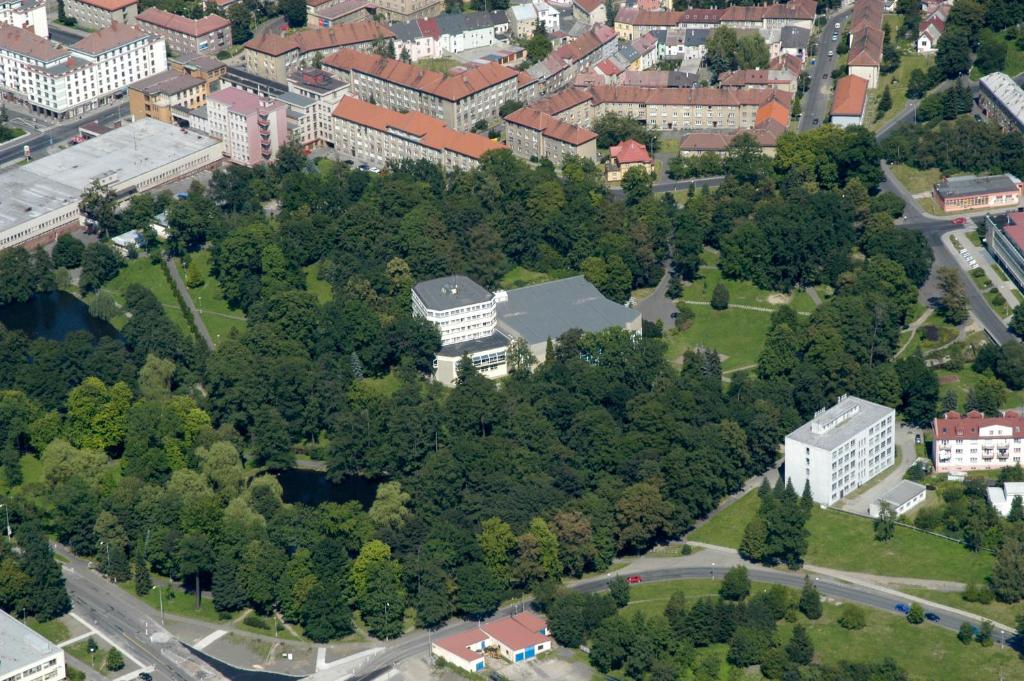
[375,135]
[405,10]
[101,13]
[208,35]
[535,134]
[459,101]
[273,56]
[154,97]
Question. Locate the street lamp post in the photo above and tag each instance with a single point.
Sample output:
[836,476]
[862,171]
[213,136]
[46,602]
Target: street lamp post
[160,592]
[103,543]
[386,606]
[7,513]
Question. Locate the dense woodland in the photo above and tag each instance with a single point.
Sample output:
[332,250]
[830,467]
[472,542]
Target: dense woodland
[165,452]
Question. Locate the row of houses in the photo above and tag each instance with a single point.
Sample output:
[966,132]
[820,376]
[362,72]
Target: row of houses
[867,40]
[274,56]
[932,25]
[632,22]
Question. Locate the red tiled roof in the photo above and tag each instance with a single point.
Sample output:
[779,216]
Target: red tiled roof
[180,24]
[968,426]
[108,38]
[629,151]
[646,18]
[851,95]
[354,33]
[744,77]
[26,42]
[110,5]
[788,62]
[587,43]
[588,6]
[609,68]
[699,96]
[744,13]
[563,100]
[866,47]
[459,643]
[773,111]
[531,621]
[701,16]
[550,126]
[452,88]
[429,131]
[512,634]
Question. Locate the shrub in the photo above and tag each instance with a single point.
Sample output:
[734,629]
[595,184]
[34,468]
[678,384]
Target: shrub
[720,297]
[686,550]
[852,617]
[115,660]
[255,621]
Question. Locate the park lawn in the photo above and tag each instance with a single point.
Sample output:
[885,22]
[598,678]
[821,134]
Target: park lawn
[651,598]
[53,630]
[845,542]
[726,527]
[442,64]
[962,381]
[1004,613]
[97,660]
[176,601]
[208,298]
[141,271]
[385,386]
[735,333]
[318,287]
[669,145]
[520,276]
[279,632]
[916,181]
[897,82]
[741,292]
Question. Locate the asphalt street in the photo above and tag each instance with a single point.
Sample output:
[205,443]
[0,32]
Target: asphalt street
[815,102]
[59,134]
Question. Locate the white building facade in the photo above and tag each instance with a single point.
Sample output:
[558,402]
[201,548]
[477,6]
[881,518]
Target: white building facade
[462,309]
[27,656]
[30,14]
[975,442]
[841,448]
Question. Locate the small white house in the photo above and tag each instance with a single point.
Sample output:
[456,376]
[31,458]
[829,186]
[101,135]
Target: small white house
[125,242]
[518,638]
[903,497]
[1002,498]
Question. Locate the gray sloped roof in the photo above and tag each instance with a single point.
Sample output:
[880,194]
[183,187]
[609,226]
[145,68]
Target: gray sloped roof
[794,37]
[548,310]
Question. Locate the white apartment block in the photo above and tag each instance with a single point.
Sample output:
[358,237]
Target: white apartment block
[102,13]
[975,442]
[66,82]
[841,448]
[30,14]
[462,309]
[27,656]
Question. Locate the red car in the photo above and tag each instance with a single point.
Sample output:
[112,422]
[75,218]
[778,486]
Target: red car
[634,579]
[959,221]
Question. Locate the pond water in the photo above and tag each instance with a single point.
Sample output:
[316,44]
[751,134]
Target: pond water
[313,487]
[53,315]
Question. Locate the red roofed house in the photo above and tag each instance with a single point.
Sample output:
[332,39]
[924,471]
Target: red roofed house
[931,28]
[626,155]
[518,638]
[850,101]
[535,134]
[208,35]
[589,11]
[973,441]
[274,56]
[101,13]
[374,135]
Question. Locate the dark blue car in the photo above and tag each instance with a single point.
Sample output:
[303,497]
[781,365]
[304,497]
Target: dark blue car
[902,607]
[931,617]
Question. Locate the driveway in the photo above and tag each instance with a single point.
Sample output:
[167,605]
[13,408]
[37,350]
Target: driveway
[865,496]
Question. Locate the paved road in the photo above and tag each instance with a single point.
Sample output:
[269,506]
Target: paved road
[187,297]
[659,306]
[815,102]
[59,134]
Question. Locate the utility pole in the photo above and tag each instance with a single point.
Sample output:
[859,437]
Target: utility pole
[160,592]
[7,513]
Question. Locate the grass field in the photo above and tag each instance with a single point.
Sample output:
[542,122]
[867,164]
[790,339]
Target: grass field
[669,145]
[54,630]
[962,381]
[916,181]
[520,276]
[740,292]
[897,82]
[96,660]
[141,271]
[318,287]
[735,333]
[219,319]
[384,386]
[442,64]
[995,611]
[176,602]
[845,542]
[919,649]
[1014,61]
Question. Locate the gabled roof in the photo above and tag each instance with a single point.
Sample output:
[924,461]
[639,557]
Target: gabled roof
[25,42]
[629,151]
[106,39]
[588,43]
[968,426]
[851,96]
[639,17]
[588,6]
[354,33]
[110,5]
[180,24]
[550,126]
[564,100]
[866,47]
[773,111]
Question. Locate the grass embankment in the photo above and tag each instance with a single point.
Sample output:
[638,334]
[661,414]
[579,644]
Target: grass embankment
[845,542]
[916,181]
[897,84]
[177,602]
[919,649]
[54,631]
[141,271]
[995,611]
[208,298]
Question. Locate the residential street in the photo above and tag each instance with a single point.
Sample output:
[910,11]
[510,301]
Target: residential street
[816,99]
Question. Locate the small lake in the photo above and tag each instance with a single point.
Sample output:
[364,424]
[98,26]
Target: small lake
[313,488]
[53,315]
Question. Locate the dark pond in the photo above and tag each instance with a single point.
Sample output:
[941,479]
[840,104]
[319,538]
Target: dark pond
[53,315]
[313,487]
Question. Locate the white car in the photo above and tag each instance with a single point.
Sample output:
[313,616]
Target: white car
[837,25]
[830,53]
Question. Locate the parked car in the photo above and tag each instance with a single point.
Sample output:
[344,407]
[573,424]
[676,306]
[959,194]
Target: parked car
[364,166]
[902,607]
[959,221]
[145,676]
[837,25]
[634,579]
[181,196]
[931,617]
[917,439]
[830,53]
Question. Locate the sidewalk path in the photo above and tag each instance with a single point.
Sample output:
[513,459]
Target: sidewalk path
[914,326]
[812,293]
[987,264]
[187,297]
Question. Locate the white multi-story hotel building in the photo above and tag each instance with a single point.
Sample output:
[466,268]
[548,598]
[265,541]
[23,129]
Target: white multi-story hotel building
[973,441]
[30,14]
[27,656]
[462,309]
[841,448]
[66,82]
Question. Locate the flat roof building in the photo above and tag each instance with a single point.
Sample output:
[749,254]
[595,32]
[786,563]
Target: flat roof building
[1002,101]
[841,448]
[27,656]
[40,200]
[1001,496]
[905,495]
[971,192]
[1004,239]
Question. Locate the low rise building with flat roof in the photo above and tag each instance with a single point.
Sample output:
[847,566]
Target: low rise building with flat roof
[1002,101]
[975,442]
[971,192]
[841,448]
[27,656]
[1002,496]
[40,200]
[1004,239]
[905,495]
[96,14]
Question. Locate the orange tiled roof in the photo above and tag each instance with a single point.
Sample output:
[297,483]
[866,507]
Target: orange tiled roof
[851,94]
[180,24]
[110,5]
[774,111]
[550,126]
[26,42]
[353,33]
[108,38]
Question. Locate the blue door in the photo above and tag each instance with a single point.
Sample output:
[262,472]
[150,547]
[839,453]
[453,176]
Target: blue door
[530,652]
[519,657]
[479,665]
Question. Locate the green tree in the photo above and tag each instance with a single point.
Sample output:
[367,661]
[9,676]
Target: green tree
[991,54]
[68,251]
[294,12]
[953,57]
[852,617]
[810,601]
[722,50]
[115,660]
[100,264]
[618,587]
[324,616]
[103,306]
[755,540]
[884,104]
[720,297]
[966,633]
[479,591]
[637,184]
[241,19]
[99,206]
[752,52]
[800,648]
[194,559]
[538,47]
[736,584]
[916,614]
[885,523]
[1008,573]
[389,510]
[1016,325]
[498,543]
[984,636]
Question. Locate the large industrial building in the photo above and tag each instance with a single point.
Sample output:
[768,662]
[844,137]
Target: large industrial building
[841,448]
[40,199]
[27,656]
[1002,101]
